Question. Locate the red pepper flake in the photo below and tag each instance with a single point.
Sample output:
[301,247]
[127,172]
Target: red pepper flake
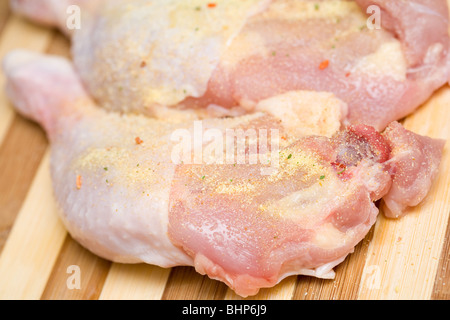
[212,5]
[138,140]
[348,74]
[324,64]
[78,182]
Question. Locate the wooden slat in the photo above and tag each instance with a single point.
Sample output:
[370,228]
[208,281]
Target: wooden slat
[23,142]
[34,242]
[403,256]
[93,272]
[4,14]
[135,282]
[18,33]
[59,45]
[441,289]
[20,155]
[185,283]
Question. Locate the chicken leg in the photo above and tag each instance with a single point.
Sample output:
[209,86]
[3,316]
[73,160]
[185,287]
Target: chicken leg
[140,55]
[125,197]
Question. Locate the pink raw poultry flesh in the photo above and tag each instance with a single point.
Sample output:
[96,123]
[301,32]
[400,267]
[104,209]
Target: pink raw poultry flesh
[128,201]
[145,55]
[303,219]
[381,75]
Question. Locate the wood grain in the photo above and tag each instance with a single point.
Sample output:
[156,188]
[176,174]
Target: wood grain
[185,283]
[135,282]
[93,272]
[4,14]
[20,155]
[404,253]
[399,259]
[34,243]
[441,289]
[22,142]
[18,33]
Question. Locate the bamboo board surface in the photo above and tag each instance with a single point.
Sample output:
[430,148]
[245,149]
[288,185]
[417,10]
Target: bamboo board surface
[407,258]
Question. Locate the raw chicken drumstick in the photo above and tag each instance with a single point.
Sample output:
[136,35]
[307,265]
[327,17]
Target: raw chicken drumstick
[123,196]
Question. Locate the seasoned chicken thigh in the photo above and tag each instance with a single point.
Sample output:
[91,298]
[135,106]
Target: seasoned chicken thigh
[126,197]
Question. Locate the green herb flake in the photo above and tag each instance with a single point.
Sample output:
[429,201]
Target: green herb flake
[316,6]
[322,177]
[289,156]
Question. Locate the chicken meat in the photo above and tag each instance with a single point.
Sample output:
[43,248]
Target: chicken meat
[382,58]
[301,209]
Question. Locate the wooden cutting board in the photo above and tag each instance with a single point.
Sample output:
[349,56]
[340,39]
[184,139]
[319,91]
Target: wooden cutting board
[399,259]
